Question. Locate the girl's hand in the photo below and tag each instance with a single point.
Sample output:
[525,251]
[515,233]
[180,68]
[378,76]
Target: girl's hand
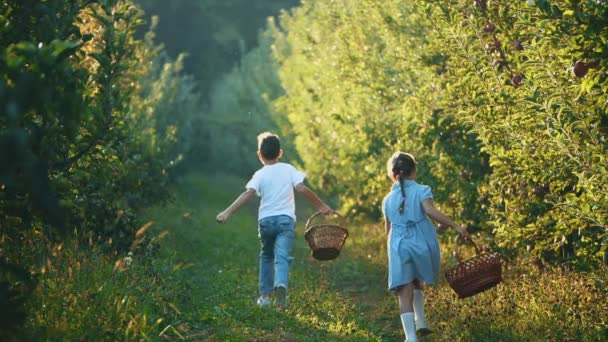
[222,217]
[463,232]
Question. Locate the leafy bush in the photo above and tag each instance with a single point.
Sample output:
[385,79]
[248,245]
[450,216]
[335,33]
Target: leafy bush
[503,104]
[88,128]
[216,34]
[92,117]
[540,123]
[359,85]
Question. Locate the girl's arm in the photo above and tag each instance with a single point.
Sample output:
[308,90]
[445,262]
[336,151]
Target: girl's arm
[435,214]
[387,225]
[314,199]
[236,205]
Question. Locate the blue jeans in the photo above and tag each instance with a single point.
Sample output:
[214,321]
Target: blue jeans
[276,237]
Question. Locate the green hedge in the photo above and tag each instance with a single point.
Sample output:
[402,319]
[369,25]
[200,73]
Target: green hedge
[503,104]
[89,120]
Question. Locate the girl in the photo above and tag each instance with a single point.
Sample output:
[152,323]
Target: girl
[413,247]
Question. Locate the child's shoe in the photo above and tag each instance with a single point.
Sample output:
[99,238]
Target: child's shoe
[422,328]
[263,301]
[280,296]
[423,332]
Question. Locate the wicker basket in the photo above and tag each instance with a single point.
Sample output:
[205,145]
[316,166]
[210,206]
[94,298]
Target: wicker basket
[476,274]
[325,240]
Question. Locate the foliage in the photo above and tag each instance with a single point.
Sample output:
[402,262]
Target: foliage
[88,126]
[359,86]
[504,105]
[232,68]
[86,293]
[170,102]
[240,108]
[41,92]
[216,34]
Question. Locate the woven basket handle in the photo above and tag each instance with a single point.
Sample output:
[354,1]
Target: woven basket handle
[309,221]
[477,250]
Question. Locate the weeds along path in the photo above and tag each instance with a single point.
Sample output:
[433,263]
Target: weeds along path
[328,301]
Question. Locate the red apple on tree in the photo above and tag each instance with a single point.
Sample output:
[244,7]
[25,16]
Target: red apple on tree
[489,28]
[481,4]
[540,190]
[517,79]
[580,69]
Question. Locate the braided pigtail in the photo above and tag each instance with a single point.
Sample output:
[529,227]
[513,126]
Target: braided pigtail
[400,166]
[402,186]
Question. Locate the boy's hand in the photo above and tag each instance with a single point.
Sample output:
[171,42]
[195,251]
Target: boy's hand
[222,217]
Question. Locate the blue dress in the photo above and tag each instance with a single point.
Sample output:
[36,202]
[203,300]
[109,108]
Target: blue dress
[413,247]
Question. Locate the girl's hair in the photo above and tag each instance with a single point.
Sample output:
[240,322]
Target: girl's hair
[399,167]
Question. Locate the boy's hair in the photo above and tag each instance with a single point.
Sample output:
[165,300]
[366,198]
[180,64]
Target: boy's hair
[269,145]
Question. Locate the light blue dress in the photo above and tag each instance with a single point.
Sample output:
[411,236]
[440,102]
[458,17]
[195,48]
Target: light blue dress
[413,247]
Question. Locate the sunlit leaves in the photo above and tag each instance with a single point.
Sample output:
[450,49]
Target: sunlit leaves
[446,80]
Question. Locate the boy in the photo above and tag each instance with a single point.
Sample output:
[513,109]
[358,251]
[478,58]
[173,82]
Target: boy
[274,183]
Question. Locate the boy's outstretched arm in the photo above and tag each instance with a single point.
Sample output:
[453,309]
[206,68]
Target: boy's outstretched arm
[314,199]
[236,205]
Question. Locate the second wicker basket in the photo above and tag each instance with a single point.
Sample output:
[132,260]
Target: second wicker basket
[475,275]
[325,239]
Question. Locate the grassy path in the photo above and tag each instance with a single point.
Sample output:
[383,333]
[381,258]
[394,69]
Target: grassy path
[345,299]
[220,278]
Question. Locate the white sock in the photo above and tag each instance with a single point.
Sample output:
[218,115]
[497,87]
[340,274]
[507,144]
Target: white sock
[419,309]
[409,327]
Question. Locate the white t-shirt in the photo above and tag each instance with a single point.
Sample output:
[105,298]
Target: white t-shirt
[274,185]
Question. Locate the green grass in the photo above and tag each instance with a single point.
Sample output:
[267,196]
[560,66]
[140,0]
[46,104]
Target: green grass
[346,299]
[202,285]
[223,278]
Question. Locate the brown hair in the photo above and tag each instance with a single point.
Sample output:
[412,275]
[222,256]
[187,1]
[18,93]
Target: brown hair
[269,145]
[399,167]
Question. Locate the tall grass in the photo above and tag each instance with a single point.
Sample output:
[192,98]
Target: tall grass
[86,292]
